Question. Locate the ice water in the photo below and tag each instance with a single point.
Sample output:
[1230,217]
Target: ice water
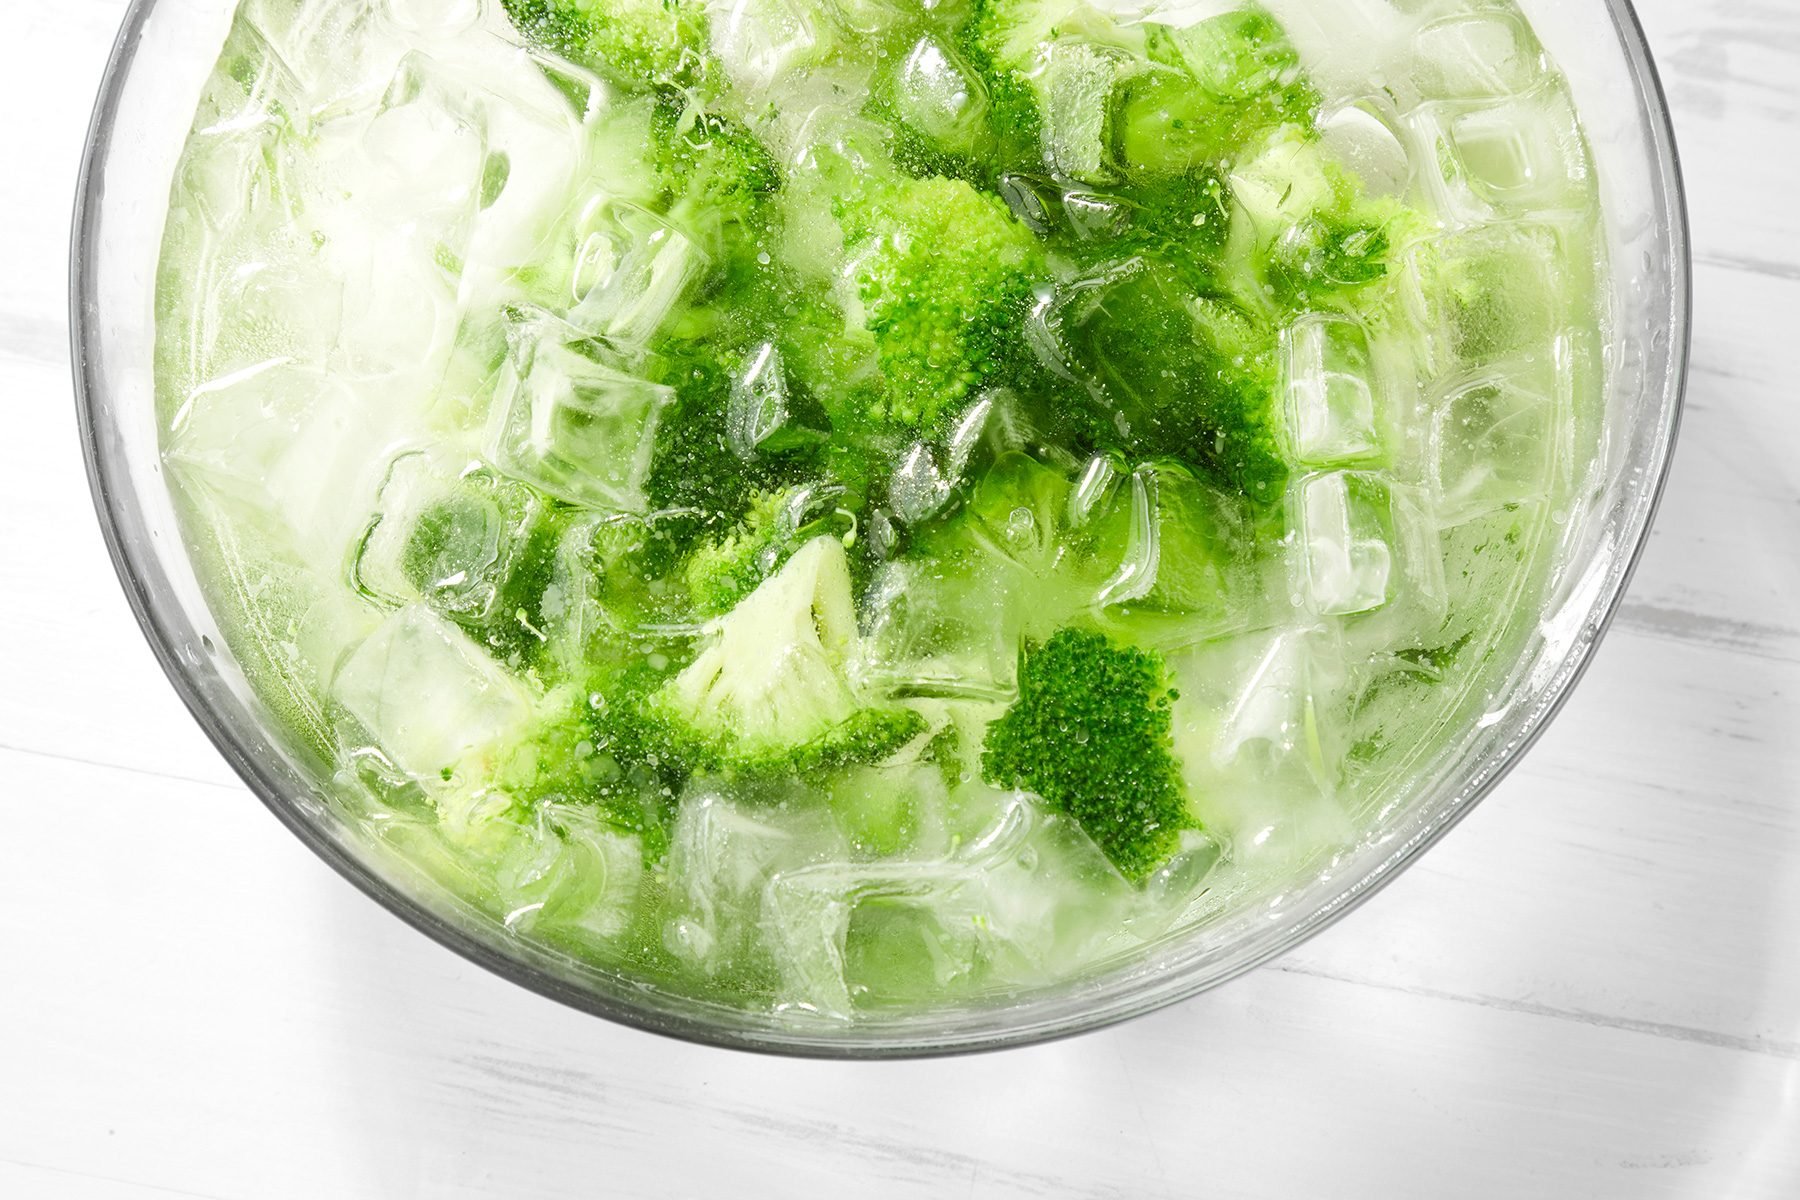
[636,457]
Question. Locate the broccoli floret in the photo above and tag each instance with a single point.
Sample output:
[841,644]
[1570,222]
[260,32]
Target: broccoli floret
[716,172]
[721,572]
[1173,375]
[635,43]
[768,692]
[946,275]
[1090,735]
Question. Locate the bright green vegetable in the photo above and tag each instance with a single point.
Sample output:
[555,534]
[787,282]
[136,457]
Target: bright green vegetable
[768,691]
[634,43]
[946,276]
[1090,735]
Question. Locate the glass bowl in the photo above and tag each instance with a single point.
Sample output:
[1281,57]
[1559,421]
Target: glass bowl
[146,103]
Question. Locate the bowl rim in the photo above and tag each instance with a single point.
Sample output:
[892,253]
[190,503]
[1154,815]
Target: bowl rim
[137,571]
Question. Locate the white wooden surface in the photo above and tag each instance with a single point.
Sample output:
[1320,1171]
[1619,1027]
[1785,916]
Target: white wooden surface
[1591,989]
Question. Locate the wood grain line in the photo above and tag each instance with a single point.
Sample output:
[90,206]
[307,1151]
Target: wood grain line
[1766,1047]
[1748,637]
[125,768]
[137,1184]
[1768,268]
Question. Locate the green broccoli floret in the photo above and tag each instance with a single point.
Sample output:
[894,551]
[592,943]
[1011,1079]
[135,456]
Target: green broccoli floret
[1173,375]
[600,753]
[716,172]
[721,572]
[635,43]
[946,275]
[1090,735]
[768,691]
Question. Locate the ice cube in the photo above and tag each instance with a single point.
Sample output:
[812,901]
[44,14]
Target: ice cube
[1482,54]
[764,413]
[721,856]
[1363,543]
[1363,137]
[939,97]
[1182,577]
[449,532]
[808,915]
[761,42]
[565,871]
[1094,216]
[433,18]
[570,420]
[1494,157]
[252,88]
[1495,441]
[1494,292]
[939,633]
[1330,391]
[1278,693]
[1076,85]
[842,931]
[429,696]
[654,265]
[286,440]
[333,43]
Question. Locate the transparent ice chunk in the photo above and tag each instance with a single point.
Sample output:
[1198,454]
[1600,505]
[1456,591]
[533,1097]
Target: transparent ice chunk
[1182,577]
[721,856]
[1494,442]
[251,89]
[1363,137]
[1518,154]
[287,440]
[451,533]
[433,18]
[1362,543]
[1095,216]
[938,96]
[1277,696]
[936,633]
[989,899]
[642,268]
[1494,292]
[1075,87]
[428,695]
[570,420]
[1329,390]
[1477,55]
[761,42]
[565,871]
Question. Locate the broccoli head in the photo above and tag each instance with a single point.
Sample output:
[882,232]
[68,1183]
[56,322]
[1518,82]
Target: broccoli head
[631,42]
[1090,735]
[946,275]
[721,572]
[769,693]
[1170,374]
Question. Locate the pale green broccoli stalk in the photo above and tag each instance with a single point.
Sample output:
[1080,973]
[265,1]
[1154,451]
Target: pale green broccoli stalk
[1090,736]
[635,43]
[946,276]
[768,691]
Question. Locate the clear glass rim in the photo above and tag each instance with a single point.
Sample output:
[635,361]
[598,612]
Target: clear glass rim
[1113,999]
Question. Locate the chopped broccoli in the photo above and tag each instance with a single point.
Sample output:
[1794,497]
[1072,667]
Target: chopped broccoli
[946,275]
[634,43]
[1090,735]
[768,691]
[1169,374]
[721,572]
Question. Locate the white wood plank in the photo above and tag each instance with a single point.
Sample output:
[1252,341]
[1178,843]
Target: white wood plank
[253,1028]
